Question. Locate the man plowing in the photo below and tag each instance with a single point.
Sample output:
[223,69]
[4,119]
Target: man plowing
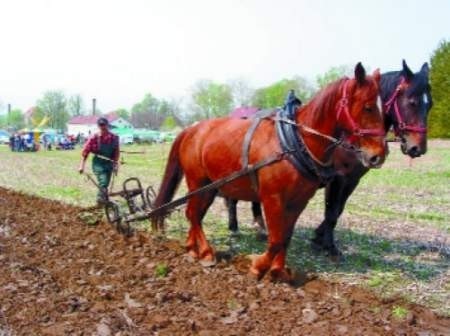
[105,147]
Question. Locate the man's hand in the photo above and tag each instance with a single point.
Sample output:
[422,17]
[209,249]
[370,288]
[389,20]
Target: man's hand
[115,168]
[81,168]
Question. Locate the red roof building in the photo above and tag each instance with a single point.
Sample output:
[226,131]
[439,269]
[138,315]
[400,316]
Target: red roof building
[92,119]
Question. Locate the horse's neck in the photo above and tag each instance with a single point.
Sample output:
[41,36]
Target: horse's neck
[320,121]
[389,82]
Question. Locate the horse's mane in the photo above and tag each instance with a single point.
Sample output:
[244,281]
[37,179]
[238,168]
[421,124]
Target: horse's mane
[323,102]
[389,81]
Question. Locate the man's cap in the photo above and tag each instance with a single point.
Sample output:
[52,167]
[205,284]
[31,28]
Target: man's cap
[102,121]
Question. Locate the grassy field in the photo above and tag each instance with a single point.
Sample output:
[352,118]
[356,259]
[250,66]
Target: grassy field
[395,233]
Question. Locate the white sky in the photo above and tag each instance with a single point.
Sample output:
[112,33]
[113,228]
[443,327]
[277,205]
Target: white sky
[119,50]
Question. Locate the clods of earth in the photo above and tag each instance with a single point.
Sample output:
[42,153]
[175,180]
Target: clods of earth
[61,276]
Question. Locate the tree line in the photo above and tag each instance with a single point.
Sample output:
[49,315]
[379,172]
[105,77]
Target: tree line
[210,99]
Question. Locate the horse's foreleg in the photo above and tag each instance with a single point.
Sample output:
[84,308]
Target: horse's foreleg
[336,196]
[280,224]
[197,245]
[277,269]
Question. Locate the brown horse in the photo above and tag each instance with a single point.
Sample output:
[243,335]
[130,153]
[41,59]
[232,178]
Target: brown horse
[211,150]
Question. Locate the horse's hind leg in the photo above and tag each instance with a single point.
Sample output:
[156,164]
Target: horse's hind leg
[259,220]
[232,214]
[197,245]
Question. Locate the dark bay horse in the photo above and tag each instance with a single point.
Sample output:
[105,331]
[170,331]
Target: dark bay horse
[211,150]
[406,100]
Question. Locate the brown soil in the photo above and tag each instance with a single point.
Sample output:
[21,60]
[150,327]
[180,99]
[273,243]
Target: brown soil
[60,276]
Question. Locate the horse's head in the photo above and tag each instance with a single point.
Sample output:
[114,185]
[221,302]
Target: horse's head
[360,117]
[407,109]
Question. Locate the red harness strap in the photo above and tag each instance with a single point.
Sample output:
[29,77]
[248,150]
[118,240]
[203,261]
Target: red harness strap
[356,130]
[401,125]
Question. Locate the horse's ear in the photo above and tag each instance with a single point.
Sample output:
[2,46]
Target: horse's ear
[360,73]
[425,69]
[377,75]
[406,71]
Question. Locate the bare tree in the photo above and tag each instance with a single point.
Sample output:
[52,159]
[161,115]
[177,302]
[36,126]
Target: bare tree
[241,91]
[75,105]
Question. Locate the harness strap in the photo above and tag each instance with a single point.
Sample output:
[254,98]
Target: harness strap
[246,151]
[165,208]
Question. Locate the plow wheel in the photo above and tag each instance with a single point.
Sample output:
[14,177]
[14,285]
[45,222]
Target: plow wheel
[112,212]
[150,196]
[114,218]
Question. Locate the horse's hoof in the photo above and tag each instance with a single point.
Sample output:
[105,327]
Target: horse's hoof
[261,236]
[335,255]
[257,271]
[235,234]
[254,274]
[317,246]
[192,253]
[189,258]
[281,275]
[208,263]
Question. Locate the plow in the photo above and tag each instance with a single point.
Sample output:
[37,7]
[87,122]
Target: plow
[134,203]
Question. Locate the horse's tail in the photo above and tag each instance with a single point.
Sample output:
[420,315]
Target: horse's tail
[171,180]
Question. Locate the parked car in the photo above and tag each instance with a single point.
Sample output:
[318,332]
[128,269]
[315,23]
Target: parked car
[167,136]
[4,137]
[126,139]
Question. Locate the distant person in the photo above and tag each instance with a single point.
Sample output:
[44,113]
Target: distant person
[11,142]
[105,147]
[17,143]
[21,143]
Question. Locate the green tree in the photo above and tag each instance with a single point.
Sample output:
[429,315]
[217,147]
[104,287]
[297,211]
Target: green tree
[211,99]
[16,119]
[123,113]
[439,120]
[168,124]
[146,113]
[3,121]
[333,74]
[274,95]
[53,104]
[75,105]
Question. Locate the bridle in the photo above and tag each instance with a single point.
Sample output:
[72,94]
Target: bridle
[401,125]
[356,131]
[342,109]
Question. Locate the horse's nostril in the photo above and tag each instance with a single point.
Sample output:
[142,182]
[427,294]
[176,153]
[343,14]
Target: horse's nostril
[374,160]
[414,150]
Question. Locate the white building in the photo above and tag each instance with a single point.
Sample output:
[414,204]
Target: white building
[87,125]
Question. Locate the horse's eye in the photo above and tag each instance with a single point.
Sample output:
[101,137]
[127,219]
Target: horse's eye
[368,108]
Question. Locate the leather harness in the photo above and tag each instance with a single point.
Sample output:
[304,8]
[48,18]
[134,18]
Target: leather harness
[291,141]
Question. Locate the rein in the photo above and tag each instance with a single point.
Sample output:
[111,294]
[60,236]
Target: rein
[357,131]
[401,126]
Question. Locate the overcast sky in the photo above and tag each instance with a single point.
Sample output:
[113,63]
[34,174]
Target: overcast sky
[119,50]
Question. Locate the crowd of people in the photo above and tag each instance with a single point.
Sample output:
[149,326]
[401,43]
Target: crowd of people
[28,142]
[22,143]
